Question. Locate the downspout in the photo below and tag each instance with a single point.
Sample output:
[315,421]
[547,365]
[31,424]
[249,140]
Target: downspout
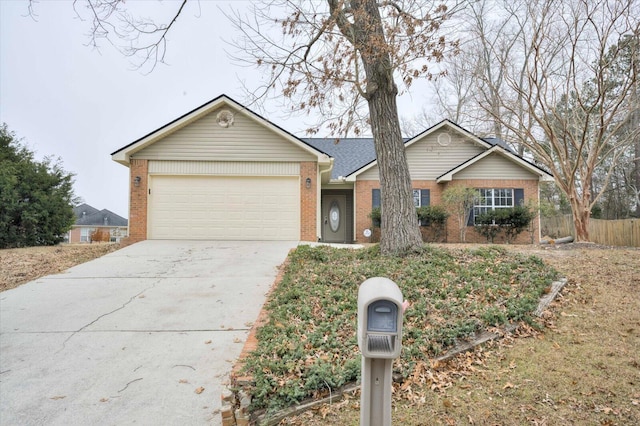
[324,171]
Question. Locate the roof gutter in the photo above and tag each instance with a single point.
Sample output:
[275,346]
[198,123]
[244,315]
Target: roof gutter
[325,169]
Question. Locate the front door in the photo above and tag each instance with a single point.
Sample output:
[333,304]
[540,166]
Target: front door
[334,229]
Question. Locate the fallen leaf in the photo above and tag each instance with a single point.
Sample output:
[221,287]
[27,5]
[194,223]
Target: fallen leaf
[104,399]
[55,398]
[509,385]
[183,381]
[207,342]
[199,390]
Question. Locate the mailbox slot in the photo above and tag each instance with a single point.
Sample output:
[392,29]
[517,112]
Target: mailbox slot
[380,318]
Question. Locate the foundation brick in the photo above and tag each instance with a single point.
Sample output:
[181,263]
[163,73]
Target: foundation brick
[363,207]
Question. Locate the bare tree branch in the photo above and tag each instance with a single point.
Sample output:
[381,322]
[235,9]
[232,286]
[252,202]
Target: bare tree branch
[110,21]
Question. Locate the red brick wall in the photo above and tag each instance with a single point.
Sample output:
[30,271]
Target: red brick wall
[74,235]
[138,200]
[308,201]
[363,206]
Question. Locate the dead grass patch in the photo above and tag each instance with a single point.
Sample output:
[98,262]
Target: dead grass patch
[22,265]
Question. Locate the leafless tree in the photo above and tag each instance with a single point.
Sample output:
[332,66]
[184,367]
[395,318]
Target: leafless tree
[332,57]
[336,56]
[544,75]
[141,38]
[572,115]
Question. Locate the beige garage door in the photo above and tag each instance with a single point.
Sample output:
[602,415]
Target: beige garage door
[224,208]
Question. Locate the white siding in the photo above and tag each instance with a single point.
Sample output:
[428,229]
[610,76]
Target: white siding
[494,166]
[204,139]
[224,208]
[427,159]
[221,168]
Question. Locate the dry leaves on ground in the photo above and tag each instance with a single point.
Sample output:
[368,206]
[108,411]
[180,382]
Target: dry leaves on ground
[22,265]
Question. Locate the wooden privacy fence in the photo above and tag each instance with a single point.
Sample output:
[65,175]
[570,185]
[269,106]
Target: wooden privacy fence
[625,233]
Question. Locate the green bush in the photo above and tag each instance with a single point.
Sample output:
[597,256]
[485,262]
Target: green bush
[376,216]
[432,215]
[308,344]
[433,219]
[428,216]
[510,221]
[486,225]
[516,221]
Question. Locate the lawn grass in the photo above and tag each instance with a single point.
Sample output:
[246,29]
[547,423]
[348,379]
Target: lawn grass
[308,345]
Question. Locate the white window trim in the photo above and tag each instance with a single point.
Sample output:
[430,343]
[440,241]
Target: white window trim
[417,201]
[478,208]
[85,235]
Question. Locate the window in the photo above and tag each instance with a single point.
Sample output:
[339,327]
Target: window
[420,198]
[491,199]
[85,234]
[416,197]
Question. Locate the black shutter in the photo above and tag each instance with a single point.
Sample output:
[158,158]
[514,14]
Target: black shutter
[518,197]
[471,221]
[375,198]
[471,218]
[425,197]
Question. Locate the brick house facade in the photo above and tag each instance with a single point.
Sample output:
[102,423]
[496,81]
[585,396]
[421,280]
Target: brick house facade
[223,172]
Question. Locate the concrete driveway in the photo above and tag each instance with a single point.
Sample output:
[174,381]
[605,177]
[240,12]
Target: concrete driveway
[132,337]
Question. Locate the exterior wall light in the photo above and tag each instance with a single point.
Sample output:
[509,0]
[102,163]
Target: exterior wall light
[308,183]
[136,181]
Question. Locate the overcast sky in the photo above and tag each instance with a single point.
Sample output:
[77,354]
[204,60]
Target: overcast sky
[71,101]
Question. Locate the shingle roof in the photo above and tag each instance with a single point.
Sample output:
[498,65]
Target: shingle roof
[350,153]
[90,216]
[84,210]
[500,142]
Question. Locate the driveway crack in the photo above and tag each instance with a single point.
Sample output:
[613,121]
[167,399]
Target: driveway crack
[124,305]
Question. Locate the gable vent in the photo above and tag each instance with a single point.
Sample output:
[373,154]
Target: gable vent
[225,118]
[444,139]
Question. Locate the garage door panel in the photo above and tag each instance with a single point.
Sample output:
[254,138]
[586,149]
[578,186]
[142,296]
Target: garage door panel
[224,207]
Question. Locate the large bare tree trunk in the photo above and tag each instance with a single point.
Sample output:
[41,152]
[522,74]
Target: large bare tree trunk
[581,217]
[637,171]
[399,224]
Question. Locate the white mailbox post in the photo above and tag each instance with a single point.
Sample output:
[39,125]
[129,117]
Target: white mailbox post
[380,341]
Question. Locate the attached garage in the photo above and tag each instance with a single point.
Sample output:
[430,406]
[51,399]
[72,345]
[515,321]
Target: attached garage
[224,207]
[222,172]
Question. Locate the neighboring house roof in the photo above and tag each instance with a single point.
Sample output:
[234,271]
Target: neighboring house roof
[89,216]
[84,210]
[123,154]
